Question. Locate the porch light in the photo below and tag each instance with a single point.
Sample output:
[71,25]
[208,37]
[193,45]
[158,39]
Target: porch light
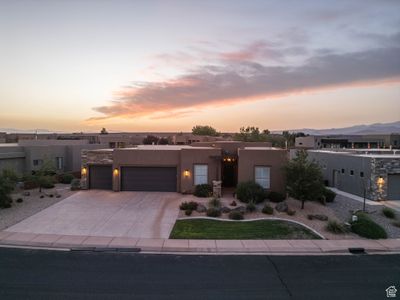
[229,159]
[116,172]
[186,173]
[84,171]
[381,181]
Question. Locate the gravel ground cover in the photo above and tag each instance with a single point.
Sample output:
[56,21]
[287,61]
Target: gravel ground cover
[31,204]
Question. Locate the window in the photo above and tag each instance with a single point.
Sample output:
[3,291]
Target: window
[200,174]
[60,163]
[361,174]
[351,172]
[37,162]
[342,171]
[262,176]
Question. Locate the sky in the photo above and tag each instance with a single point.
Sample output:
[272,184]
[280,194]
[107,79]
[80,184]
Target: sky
[169,65]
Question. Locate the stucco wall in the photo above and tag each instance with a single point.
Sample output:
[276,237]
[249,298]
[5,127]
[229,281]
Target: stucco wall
[275,159]
[190,157]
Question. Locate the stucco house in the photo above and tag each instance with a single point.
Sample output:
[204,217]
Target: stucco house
[179,168]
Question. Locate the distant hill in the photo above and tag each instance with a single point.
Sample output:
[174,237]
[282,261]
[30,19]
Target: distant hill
[377,128]
[14,130]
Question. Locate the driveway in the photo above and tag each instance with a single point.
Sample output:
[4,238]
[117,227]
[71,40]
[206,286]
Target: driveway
[106,213]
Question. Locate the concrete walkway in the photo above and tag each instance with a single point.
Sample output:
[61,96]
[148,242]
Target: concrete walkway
[280,247]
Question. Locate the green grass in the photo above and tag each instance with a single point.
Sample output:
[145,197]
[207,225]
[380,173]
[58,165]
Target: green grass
[223,230]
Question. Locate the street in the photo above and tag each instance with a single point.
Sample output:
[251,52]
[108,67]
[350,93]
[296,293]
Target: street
[41,274]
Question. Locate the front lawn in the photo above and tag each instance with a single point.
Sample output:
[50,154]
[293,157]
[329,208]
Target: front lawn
[232,230]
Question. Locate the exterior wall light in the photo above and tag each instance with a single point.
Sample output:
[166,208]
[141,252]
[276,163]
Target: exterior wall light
[186,173]
[84,171]
[381,181]
[116,172]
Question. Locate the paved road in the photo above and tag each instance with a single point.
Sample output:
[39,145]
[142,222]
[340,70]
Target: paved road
[39,274]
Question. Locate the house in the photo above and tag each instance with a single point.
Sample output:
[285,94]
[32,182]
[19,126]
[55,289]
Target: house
[375,172]
[29,155]
[179,168]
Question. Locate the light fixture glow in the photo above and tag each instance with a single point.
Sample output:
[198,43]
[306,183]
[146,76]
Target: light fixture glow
[186,173]
[84,171]
[116,172]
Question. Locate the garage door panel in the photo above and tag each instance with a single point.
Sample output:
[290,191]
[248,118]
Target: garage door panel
[162,179]
[393,192]
[100,177]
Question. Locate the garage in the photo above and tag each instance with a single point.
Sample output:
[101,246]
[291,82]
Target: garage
[100,177]
[393,187]
[152,179]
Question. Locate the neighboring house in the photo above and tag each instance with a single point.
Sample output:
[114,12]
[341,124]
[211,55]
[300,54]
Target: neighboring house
[375,172]
[29,155]
[179,168]
[349,141]
[189,138]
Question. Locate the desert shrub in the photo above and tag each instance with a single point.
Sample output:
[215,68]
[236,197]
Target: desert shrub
[6,187]
[367,228]
[192,205]
[329,195]
[250,207]
[389,213]
[65,178]
[236,215]
[75,184]
[19,200]
[203,190]
[41,196]
[213,212]
[276,197]
[47,182]
[214,202]
[250,191]
[188,212]
[267,209]
[335,227]
[233,203]
[291,212]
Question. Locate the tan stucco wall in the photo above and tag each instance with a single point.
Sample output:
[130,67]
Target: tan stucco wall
[190,157]
[154,158]
[275,159]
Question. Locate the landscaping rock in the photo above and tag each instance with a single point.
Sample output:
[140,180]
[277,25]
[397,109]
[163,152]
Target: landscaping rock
[241,209]
[321,217]
[201,208]
[26,193]
[282,207]
[225,210]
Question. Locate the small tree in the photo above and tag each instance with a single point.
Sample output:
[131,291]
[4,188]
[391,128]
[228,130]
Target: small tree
[204,130]
[304,178]
[103,131]
[8,179]
[44,177]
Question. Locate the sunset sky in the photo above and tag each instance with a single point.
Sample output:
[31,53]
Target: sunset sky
[169,65]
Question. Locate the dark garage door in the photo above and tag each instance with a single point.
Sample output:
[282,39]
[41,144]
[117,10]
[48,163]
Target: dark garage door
[100,177]
[393,192]
[152,179]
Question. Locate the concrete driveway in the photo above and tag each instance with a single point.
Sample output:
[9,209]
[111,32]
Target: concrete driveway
[106,213]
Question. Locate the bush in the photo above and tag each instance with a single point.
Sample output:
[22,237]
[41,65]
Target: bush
[203,190]
[214,202]
[276,197]
[367,228]
[47,182]
[329,195]
[213,212]
[291,212]
[233,203]
[236,215]
[267,209]
[188,212]
[41,196]
[19,200]
[75,184]
[250,191]
[250,207]
[389,213]
[192,205]
[65,178]
[335,227]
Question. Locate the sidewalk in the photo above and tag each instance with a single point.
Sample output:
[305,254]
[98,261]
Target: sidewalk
[300,247]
